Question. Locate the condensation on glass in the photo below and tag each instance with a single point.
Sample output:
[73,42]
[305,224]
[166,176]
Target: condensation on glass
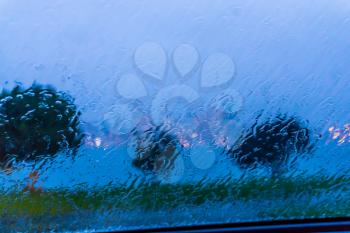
[118,115]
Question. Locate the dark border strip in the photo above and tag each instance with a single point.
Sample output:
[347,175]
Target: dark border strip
[279,226]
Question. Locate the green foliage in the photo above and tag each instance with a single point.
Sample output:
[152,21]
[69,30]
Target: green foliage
[296,196]
[36,122]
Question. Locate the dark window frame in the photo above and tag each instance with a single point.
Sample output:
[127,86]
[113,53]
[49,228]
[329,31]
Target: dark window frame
[280,226]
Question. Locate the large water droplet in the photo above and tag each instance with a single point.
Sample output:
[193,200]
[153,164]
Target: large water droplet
[202,157]
[150,58]
[131,87]
[185,58]
[217,69]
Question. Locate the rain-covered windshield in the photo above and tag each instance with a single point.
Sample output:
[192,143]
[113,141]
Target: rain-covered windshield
[118,115]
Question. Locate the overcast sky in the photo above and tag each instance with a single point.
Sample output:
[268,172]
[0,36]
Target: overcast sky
[289,56]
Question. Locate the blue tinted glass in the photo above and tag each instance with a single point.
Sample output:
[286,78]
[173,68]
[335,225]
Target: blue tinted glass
[139,114]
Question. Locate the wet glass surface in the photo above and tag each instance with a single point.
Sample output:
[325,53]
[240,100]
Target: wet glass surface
[138,114]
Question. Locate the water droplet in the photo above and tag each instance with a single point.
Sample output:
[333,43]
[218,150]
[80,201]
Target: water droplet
[202,157]
[217,69]
[131,87]
[150,58]
[58,102]
[19,96]
[185,58]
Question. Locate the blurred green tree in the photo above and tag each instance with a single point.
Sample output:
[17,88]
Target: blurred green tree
[271,143]
[155,150]
[35,123]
